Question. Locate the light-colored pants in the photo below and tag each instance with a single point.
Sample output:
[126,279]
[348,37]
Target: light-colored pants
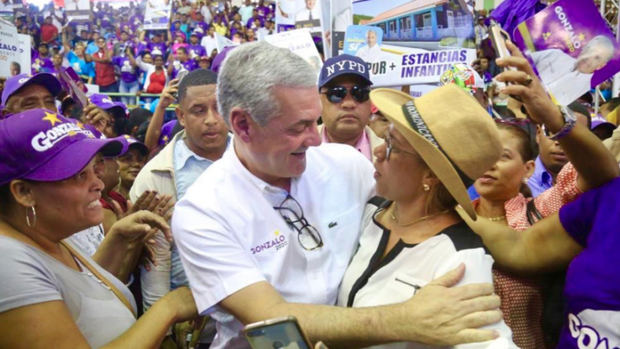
[129,87]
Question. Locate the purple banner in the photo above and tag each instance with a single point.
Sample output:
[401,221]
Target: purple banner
[571,46]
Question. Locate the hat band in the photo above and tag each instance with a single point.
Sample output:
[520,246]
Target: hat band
[415,120]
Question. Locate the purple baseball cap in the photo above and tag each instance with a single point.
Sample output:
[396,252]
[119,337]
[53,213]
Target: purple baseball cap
[132,142]
[41,145]
[600,121]
[117,109]
[16,83]
[341,65]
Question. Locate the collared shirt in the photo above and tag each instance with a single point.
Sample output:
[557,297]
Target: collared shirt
[541,180]
[362,145]
[230,237]
[187,167]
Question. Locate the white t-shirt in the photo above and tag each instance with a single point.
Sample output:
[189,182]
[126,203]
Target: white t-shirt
[229,236]
[374,280]
[209,43]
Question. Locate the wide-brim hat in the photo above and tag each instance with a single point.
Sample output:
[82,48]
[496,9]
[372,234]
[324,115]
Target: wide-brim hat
[450,131]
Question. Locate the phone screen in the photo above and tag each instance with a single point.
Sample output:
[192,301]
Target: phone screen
[284,335]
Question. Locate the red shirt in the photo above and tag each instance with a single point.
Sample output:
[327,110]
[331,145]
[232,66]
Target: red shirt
[49,32]
[104,72]
[158,81]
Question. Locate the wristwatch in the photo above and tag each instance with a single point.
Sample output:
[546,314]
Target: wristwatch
[570,121]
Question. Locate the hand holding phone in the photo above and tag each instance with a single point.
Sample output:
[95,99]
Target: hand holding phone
[279,333]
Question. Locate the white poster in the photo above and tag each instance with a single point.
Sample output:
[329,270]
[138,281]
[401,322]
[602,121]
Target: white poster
[421,39]
[157,14]
[14,53]
[341,19]
[78,10]
[221,42]
[300,42]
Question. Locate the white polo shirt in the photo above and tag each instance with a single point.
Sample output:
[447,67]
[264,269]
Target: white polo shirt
[229,236]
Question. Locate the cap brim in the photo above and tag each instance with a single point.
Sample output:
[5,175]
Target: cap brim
[390,102]
[74,158]
[48,80]
[140,147]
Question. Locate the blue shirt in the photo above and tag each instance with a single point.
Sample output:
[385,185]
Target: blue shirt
[541,180]
[80,65]
[187,167]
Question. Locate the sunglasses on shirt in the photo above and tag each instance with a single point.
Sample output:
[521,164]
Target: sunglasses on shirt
[337,94]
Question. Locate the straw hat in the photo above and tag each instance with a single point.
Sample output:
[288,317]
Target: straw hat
[453,134]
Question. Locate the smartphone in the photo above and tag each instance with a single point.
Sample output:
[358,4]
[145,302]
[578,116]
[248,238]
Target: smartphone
[283,333]
[498,38]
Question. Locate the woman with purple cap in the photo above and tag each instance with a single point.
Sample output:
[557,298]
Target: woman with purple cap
[50,190]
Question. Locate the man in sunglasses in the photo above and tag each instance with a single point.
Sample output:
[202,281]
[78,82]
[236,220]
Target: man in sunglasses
[268,230]
[344,85]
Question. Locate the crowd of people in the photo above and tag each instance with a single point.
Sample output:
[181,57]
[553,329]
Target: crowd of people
[115,52]
[479,215]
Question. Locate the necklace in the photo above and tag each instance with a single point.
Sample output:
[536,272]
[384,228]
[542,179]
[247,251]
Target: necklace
[418,220]
[496,219]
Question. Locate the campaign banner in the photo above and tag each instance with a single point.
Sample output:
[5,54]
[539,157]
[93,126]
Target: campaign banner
[300,42]
[157,14]
[341,19]
[14,52]
[571,46]
[364,41]
[78,10]
[421,38]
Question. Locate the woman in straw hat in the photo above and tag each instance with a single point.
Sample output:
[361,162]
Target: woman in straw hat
[52,294]
[432,152]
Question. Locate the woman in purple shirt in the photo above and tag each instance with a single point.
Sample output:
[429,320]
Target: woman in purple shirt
[129,74]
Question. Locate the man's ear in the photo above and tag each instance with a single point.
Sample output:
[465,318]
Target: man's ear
[241,123]
[180,116]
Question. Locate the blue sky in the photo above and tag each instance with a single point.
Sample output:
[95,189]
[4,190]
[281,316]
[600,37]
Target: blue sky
[374,7]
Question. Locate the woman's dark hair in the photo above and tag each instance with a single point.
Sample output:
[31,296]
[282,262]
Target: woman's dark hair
[516,128]
[6,198]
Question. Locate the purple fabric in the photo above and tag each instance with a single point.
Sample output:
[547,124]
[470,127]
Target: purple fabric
[17,82]
[166,132]
[118,109]
[42,145]
[250,23]
[196,50]
[129,73]
[512,12]
[42,65]
[219,59]
[592,290]
[263,11]
[160,46]
[188,65]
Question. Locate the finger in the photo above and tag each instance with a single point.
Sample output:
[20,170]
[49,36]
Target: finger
[140,200]
[450,278]
[478,304]
[151,205]
[516,90]
[118,210]
[517,62]
[146,197]
[516,76]
[163,202]
[156,221]
[471,291]
[514,50]
[474,335]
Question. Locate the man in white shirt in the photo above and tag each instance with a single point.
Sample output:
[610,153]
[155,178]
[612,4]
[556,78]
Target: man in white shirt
[370,53]
[246,11]
[209,41]
[269,229]
[311,12]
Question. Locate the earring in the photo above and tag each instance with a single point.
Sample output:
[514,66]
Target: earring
[426,187]
[32,223]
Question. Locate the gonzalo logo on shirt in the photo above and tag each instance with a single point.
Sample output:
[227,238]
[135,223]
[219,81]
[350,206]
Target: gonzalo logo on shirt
[279,241]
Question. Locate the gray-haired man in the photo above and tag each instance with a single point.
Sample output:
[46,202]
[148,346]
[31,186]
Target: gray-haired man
[268,230]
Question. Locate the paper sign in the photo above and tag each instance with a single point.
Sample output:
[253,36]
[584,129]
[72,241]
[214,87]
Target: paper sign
[421,38]
[571,46]
[300,42]
[157,14]
[14,53]
[78,10]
